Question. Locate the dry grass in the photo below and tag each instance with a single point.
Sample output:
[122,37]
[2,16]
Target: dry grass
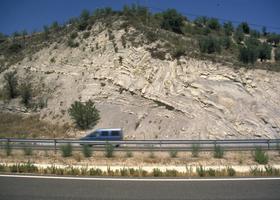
[138,159]
[28,126]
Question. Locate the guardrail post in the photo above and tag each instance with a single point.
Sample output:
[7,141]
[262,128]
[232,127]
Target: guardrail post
[268,144]
[160,145]
[54,146]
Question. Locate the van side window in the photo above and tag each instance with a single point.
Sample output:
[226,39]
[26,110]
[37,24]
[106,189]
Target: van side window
[115,133]
[104,133]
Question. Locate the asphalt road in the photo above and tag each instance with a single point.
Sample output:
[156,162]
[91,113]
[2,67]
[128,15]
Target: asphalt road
[12,188]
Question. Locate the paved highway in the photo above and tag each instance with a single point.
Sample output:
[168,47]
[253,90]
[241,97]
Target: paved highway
[27,188]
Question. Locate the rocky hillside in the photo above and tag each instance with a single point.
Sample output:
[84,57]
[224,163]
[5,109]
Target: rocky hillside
[190,97]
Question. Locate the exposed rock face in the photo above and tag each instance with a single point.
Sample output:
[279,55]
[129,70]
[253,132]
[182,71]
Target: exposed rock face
[151,98]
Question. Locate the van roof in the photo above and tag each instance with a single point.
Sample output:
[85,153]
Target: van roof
[109,129]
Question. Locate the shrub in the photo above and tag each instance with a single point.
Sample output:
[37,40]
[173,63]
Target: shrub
[109,150]
[277,54]
[195,150]
[72,43]
[86,35]
[179,50]
[264,52]
[27,151]
[226,42]
[129,154]
[66,150]
[95,172]
[74,35]
[52,60]
[211,172]
[11,84]
[172,20]
[238,36]
[200,171]
[248,54]
[26,93]
[213,24]
[218,152]
[244,27]
[209,45]
[15,48]
[231,171]
[173,153]
[157,172]
[8,148]
[85,114]
[260,156]
[228,28]
[87,151]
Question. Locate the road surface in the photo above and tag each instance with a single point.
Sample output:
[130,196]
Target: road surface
[53,188]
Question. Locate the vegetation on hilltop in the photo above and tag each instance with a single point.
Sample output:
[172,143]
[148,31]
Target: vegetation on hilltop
[204,37]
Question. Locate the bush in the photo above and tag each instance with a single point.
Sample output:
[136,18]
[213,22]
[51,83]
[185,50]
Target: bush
[26,93]
[209,45]
[200,171]
[277,54]
[264,52]
[178,51]
[85,114]
[218,152]
[244,27]
[95,172]
[248,55]
[15,48]
[213,24]
[74,35]
[195,150]
[211,172]
[231,171]
[11,84]
[129,154]
[226,42]
[228,28]
[157,172]
[8,148]
[86,35]
[66,150]
[87,151]
[27,151]
[109,150]
[173,153]
[72,43]
[260,156]
[172,20]
[238,36]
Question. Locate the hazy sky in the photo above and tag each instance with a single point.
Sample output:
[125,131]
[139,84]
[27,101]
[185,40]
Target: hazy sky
[16,15]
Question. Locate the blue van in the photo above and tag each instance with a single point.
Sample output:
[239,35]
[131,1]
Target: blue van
[102,134]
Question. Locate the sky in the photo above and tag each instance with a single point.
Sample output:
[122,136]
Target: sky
[32,15]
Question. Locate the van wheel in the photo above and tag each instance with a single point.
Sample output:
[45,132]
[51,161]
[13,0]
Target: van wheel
[117,145]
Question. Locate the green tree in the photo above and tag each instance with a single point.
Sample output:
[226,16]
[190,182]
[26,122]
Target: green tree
[264,32]
[244,27]
[54,26]
[46,31]
[226,42]
[201,21]
[213,24]
[228,28]
[264,52]
[172,20]
[85,15]
[85,114]
[2,37]
[11,84]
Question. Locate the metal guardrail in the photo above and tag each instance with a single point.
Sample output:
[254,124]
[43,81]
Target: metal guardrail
[145,145]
